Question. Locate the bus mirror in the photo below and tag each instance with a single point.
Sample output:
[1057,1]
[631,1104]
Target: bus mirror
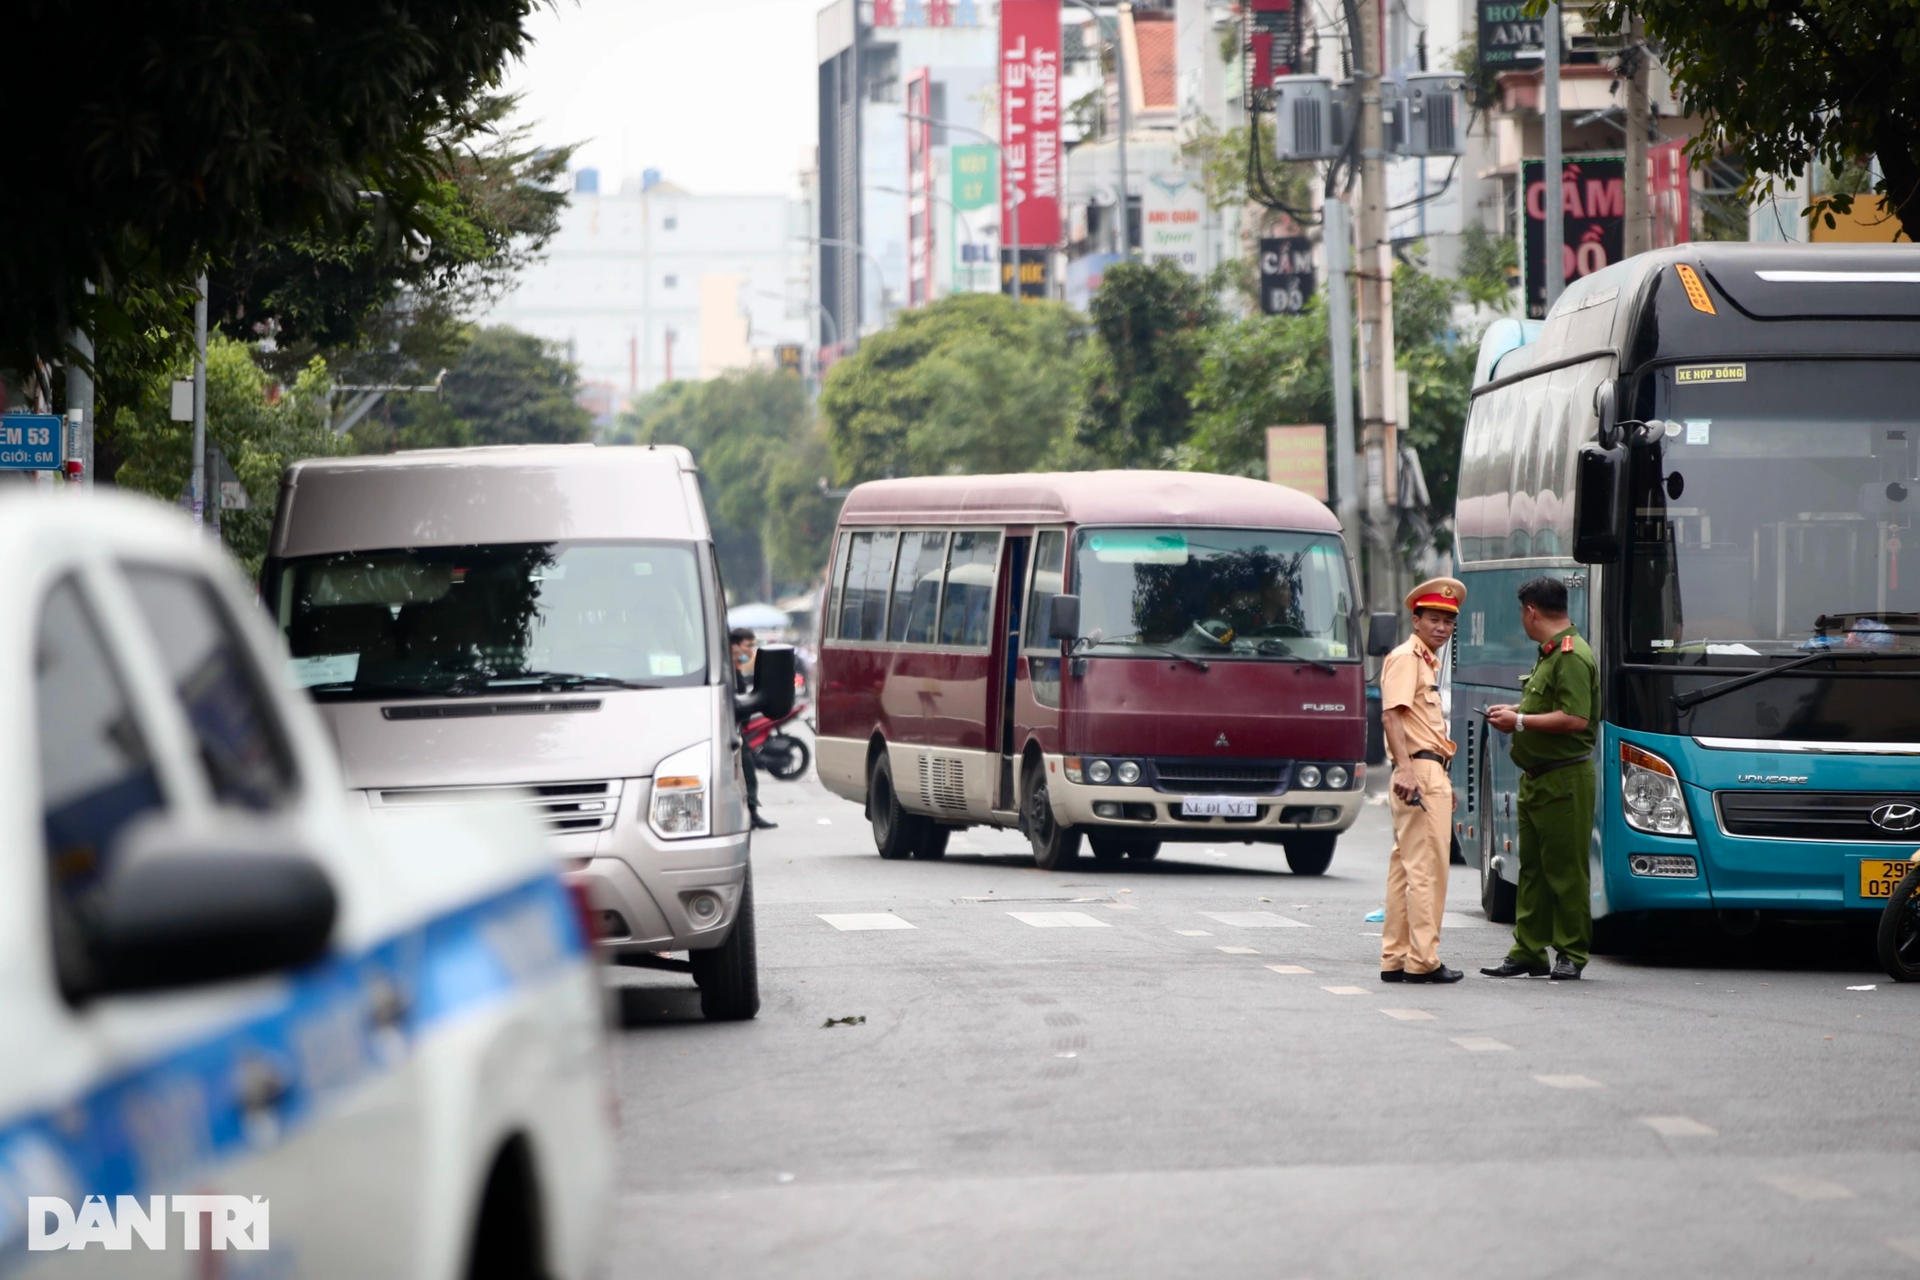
[1609,418]
[772,694]
[1597,510]
[1063,619]
[1383,632]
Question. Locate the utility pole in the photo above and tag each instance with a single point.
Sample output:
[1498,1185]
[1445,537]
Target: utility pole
[1337,238]
[197,494]
[80,406]
[1379,432]
[1553,170]
[1639,228]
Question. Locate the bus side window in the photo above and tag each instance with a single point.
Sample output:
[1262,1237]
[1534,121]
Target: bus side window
[859,552]
[838,591]
[1049,558]
[966,617]
[1473,478]
[916,586]
[873,595]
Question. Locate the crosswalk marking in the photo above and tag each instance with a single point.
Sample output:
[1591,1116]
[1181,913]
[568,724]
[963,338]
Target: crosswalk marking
[1238,951]
[858,922]
[1570,1082]
[1345,991]
[1193,933]
[1678,1127]
[1409,1015]
[1482,1044]
[1059,920]
[1453,920]
[1801,1187]
[1289,968]
[1254,920]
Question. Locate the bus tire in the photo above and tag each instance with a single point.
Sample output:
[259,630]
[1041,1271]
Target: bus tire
[895,831]
[1310,854]
[1899,936]
[933,841]
[1054,847]
[1498,899]
[729,975]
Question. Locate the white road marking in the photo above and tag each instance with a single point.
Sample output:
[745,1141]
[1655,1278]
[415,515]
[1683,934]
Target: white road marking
[1345,991]
[1806,1188]
[1678,1127]
[1482,1044]
[1409,1015]
[1574,1082]
[822,822]
[1119,906]
[1906,1246]
[1868,987]
[1289,968]
[1254,920]
[1238,951]
[1193,933]
[860,922]
[1453,920]
[1059,920]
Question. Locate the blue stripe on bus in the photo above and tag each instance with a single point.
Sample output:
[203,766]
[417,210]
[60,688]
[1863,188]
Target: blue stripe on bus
[244,1088]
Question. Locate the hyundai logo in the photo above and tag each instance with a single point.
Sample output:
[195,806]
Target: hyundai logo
[1895,817]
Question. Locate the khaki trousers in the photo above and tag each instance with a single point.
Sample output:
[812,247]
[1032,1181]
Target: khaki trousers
[1417,873]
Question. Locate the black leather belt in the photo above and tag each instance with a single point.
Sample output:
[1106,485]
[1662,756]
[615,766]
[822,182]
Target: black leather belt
[1434,756]
[1551,765]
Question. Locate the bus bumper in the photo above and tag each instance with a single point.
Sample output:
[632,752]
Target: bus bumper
[1110,806]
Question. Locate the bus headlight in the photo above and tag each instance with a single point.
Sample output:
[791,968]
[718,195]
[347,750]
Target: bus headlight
[1128,773]
[1099,771]
[1337,778]
[1309,776]
[1650,794]
[678,810]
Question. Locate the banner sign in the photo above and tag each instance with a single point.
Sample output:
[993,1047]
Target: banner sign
[1297,458]
[1034,269]
[1509,40]
[1593,203]
[1173,212]
[1670,194]
[1286,275]
[920,270]
[1030,120]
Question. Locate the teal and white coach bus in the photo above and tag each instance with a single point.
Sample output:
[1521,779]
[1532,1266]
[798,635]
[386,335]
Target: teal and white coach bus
[1717,446]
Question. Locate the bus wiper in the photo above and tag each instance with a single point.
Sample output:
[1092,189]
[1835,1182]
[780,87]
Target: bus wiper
[567,680]
[1285,650]
[1138,643]
[1694,697]
[455,688]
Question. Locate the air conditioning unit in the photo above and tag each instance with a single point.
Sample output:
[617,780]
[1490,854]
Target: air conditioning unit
[1310,118]
[1430,116]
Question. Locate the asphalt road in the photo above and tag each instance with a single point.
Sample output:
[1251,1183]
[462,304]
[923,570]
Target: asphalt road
[1190,1066]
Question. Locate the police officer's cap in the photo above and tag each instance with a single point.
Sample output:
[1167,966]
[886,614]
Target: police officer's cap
[1437,593]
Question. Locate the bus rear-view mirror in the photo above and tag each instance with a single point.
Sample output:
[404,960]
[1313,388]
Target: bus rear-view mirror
[1383,632]
[1597,510]
[772,694]
[1063,619]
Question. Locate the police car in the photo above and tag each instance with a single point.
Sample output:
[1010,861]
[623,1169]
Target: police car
[247,1026]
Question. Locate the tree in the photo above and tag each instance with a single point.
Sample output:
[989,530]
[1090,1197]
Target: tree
[1795,83]
[973,383]
[1150,326]
[506,387]
[1256,373]
[226,122]
[1439,364]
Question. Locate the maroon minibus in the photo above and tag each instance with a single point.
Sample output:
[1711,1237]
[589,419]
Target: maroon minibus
[1124,657]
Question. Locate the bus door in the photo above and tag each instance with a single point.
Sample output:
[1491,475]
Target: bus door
[1006,657]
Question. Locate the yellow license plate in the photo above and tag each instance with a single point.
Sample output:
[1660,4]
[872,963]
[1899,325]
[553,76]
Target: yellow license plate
[1879,877]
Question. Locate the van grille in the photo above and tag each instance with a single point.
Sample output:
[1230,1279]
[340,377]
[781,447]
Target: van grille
[943,783]
[1812,815]
[566,808]
[1247,778]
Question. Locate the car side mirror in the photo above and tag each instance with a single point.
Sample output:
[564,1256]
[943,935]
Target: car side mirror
[1383,632]
[1063,619]
[182,912]
[1597,507]
[772,694]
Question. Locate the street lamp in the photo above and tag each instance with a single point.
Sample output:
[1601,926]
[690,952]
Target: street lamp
[878,274]
[811,306]
[1013,205]
[934,195]
[1125,237]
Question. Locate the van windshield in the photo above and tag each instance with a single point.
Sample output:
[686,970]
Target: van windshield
[448,621]
[1253,594]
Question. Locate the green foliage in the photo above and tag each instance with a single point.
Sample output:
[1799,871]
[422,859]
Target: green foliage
[1150,326]
[259,431]
[1795,84]
[506,387]
[751,434]
[1439,366]
[1489,268]
[1264,371]
[973,383]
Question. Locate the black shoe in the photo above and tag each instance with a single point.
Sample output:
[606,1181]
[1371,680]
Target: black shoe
[1565,970]
[761,824]
[1393,975]
[1511,968]
[1442,974]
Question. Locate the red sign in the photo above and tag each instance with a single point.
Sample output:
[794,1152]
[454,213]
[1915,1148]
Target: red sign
[1272,46]
[920,271]
[1030,120]
[1669,194]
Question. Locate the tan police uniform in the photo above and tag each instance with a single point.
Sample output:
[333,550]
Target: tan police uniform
[1417,870]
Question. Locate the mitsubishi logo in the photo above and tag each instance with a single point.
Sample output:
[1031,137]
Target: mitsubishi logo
[1221,741]
[1895,817]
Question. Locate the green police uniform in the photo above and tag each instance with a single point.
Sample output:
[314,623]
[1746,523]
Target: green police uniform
[1553,905]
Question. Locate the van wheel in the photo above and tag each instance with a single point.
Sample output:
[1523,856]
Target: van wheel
[1498,899]
[1144,851]
[895,831]
[1109,849]
[1054,847]
[1311,854]
[729,975]
[933,840]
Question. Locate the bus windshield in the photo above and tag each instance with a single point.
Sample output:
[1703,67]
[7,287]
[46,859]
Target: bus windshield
[448,621]
[1213,593]
[1771,516]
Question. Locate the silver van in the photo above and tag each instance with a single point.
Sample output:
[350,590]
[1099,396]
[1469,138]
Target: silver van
[544,621]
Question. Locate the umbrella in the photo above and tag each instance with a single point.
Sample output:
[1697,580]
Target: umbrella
[758,617]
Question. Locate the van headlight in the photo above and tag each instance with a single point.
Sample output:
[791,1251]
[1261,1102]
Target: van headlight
[1650,794]
[679,810]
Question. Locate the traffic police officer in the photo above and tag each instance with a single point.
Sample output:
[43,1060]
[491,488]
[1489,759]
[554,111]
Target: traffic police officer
[1553,732]
[1416,731]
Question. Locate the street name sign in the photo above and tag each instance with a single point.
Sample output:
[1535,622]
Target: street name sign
[29,442]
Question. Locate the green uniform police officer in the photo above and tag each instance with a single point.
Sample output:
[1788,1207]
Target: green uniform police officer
[1553,730]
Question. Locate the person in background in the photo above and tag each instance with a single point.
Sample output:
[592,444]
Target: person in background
[1422,800]
[745,645]
[1553,731]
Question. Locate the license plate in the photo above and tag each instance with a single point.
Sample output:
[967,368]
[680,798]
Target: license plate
[1217,807]
[1879,877]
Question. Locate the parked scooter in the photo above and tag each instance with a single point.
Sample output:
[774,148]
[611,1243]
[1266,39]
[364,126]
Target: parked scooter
[1900,928]
[779,754]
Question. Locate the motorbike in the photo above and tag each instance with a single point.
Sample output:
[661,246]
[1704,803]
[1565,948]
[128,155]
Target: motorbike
[1899,937]
[779,754]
